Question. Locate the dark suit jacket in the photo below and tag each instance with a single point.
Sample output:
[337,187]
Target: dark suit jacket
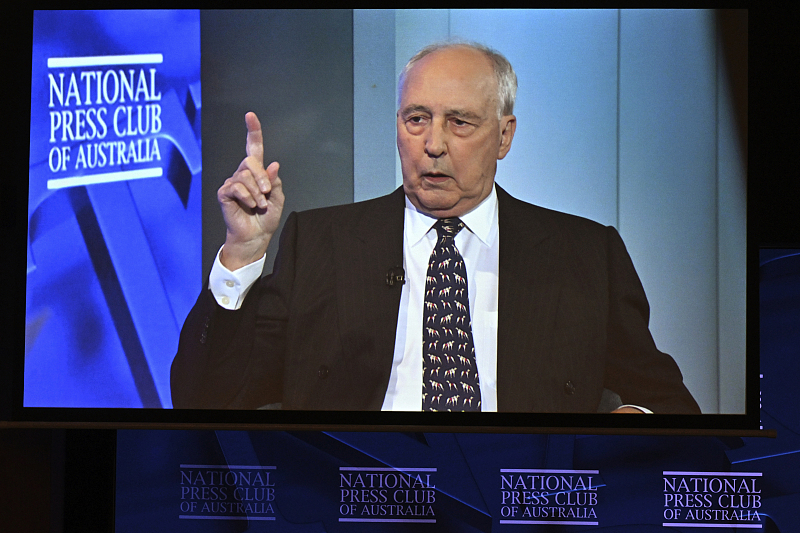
[319,333]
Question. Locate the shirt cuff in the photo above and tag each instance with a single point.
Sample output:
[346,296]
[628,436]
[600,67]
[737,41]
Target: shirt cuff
[230,287]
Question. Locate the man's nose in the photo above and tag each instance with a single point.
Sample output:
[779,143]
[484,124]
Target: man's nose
[436,141]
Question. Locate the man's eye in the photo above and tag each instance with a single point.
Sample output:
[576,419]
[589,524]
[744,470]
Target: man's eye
[416,122]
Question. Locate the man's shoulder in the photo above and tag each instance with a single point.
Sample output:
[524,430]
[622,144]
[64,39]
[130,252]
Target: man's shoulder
[544,219]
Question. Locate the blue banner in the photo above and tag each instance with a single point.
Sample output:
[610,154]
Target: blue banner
[314,481]
[203,481]
[114,216]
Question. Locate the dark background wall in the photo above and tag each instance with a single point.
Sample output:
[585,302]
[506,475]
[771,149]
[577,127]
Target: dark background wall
[289,57]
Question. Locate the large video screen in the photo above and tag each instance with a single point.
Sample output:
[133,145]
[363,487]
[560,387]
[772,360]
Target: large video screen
[631,119]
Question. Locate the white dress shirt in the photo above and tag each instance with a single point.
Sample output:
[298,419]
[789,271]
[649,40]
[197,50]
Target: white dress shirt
[479,245]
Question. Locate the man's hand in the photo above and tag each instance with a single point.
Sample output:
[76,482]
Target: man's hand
[628,410]
[251,202]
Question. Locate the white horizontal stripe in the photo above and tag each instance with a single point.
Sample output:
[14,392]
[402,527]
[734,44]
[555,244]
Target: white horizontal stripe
[102,61]
[196,517]
[406,520]
[551,522]
[109,177]
[231,467]
[381,469]
[690,524]
[545,471]
[679,473]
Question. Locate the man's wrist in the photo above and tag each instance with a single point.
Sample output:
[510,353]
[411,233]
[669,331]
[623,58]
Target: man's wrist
[237,255]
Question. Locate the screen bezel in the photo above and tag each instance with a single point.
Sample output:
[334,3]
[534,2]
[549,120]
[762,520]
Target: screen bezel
[760,192]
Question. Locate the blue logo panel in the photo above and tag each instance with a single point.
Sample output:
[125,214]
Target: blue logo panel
[114,210]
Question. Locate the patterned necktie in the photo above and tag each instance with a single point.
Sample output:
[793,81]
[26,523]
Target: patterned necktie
[449,372]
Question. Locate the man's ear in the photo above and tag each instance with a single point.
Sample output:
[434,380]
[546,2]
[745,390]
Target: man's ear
[508,125]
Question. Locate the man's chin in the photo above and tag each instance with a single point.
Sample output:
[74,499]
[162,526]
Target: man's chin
[437,205]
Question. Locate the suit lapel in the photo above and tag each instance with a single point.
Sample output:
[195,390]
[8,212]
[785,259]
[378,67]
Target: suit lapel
[527,304]
[367,245]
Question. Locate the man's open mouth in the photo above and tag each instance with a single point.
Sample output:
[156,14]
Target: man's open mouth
[435,174]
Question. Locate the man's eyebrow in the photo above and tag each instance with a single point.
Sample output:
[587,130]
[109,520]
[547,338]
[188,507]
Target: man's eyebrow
[461,113]
[469,115]
[415,109]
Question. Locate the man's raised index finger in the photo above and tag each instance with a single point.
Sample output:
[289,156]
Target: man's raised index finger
[255,141]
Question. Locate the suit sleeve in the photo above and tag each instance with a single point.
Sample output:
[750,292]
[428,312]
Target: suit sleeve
[636,369]
[234,359]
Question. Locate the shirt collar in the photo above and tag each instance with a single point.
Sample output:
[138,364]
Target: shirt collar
[480,221]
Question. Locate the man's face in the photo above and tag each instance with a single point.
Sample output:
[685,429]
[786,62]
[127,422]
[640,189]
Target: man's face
[448,133]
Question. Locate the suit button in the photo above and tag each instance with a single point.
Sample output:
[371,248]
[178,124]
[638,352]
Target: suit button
[569,388]
[323,372]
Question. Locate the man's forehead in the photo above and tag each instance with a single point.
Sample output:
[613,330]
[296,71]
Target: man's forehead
[457,62]
[450,74]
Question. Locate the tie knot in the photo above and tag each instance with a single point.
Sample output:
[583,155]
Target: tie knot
[448,227]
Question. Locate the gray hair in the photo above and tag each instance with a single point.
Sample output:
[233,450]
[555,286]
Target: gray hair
[503,71]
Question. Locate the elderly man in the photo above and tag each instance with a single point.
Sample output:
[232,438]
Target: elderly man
[446,295]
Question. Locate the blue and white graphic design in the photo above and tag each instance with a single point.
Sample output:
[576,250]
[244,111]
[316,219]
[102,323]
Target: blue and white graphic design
[114,216]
